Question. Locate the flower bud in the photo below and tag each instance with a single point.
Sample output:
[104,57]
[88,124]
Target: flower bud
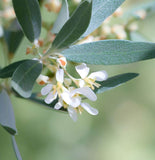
[62,61]
[42,79]
[141,14]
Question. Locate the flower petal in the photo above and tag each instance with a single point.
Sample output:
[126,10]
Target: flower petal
[66,97]
[51,97]
[83,70]
[72,113]
[99,76]
[86,91]
[60,75]
[75,101]
[45,90]
[89,109]
[58,106]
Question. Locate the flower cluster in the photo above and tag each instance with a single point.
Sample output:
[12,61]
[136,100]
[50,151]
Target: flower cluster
[110,30]
[70,92]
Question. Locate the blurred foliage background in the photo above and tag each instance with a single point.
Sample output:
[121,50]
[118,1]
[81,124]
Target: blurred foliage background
[123,130]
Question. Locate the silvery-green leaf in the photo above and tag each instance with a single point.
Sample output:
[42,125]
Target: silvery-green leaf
[62,17]
[115,81]
[110,52]
[7,119]
[74,27]
[101,9]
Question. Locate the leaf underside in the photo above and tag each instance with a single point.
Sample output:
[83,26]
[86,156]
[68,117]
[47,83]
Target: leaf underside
[7,119]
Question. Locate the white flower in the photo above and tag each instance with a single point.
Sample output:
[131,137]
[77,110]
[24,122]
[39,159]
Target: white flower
[53,90]
[89,81]
[72,100]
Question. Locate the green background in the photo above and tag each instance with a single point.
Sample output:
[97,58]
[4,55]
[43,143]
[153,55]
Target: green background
[123,130]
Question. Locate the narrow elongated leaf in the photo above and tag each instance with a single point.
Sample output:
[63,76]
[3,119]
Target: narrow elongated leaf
[7,71]
[41,102]
[29,17]
[115,81]
[13,36]
[74,27]
[111,52]
[62,17]
[7,119]
[25,76]
[101,9]
[13,39]
[15,147]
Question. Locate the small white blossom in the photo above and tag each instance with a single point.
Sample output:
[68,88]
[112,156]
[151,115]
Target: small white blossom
[53,90]
[72,100]
[89,81]
[69,97]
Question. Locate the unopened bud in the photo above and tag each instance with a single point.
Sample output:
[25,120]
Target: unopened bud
[42,79]
[9,13]
[133,27]
[40,42]
[141,14]
[119,31]
[105,30]
[28,50]
[53,6]
[62,61]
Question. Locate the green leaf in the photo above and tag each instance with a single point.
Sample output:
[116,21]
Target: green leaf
[110,52]
[25,76]
[13,39]
[8,71]
[41,102]
[13,36]
[74,27]
[29,17]
[101,9]
[114,82]
[62,17]
[7,119]
[15,147]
